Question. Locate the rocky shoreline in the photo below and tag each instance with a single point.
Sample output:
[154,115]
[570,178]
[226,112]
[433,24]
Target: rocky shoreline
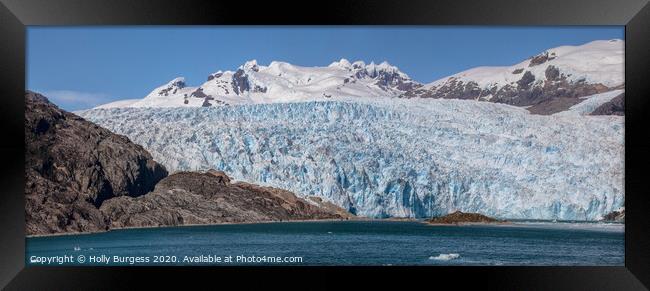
[354,218]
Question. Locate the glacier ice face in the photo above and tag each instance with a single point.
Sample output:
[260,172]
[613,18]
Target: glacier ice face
[398,158]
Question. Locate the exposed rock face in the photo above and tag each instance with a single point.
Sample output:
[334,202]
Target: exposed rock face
[526,80]
[540,59]
[526,91]
[198,93]
[172,88]
[221,175]
[206,103]
[615,216]
[331,207]
[386,76]
[552,73]
[458,217]
[72,166]
[614,107]
[209,198]
[240,82]
[552,106]
[215,75]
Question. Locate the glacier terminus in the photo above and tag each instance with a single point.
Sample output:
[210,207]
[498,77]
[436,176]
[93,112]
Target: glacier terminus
[398,157]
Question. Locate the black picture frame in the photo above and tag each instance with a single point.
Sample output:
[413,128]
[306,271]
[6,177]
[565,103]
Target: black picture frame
[15,15]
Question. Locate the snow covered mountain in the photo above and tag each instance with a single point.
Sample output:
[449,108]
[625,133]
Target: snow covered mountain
[547,83]
[399,157]
[551,81]
[280,82]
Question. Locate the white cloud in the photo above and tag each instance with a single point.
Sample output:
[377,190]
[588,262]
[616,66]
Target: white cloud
[76,99]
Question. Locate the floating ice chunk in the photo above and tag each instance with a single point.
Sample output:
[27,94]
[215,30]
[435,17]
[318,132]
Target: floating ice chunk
[445,257]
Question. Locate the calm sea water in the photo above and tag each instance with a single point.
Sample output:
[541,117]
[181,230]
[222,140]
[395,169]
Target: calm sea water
[339,243]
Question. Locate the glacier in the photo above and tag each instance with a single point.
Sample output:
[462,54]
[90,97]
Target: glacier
[397,157]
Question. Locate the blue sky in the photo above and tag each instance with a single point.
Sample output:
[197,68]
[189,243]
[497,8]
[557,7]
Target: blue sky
[81,67]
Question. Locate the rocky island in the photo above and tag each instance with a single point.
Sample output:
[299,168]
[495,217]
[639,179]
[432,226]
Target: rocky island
[457,217]
[81,177]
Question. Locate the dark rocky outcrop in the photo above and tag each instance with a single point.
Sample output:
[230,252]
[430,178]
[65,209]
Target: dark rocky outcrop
[526,80]
[172,88]
[240,82]
[198,93]
[392,79]
[72,166]
[541,58]
[209,198]
[615,106]
[452,89]
[259,89]
[615,216]
[552,106]
[458,217]
[552,73]
[215,75]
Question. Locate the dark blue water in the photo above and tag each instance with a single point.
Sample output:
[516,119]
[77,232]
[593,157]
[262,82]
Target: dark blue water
[341,243]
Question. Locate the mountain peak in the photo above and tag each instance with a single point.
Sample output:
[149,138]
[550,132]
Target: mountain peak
[359,64]
[170,88]
[343,63]
[178,82]
[383,66]
[383,70]
[250,66]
